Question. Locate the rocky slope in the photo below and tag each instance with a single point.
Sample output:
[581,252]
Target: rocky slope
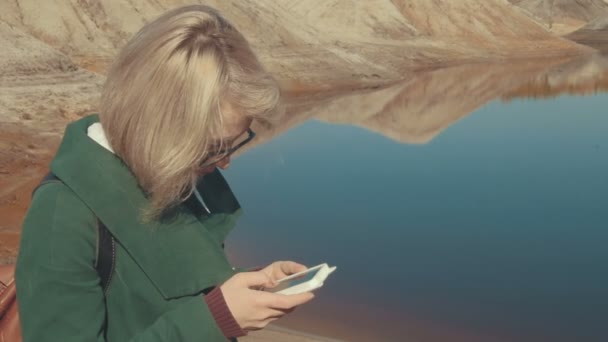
[599,24]
[40,85]
[320,41]
[564,16]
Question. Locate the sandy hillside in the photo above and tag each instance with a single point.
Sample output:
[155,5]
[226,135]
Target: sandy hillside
[40,86]
[564,16]
[319,41]
[599,24]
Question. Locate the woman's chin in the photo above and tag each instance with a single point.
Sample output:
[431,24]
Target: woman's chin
[205,170]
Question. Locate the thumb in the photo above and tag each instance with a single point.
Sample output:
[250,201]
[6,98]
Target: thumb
[257,279]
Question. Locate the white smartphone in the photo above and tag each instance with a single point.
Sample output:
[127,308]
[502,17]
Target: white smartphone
[309,280]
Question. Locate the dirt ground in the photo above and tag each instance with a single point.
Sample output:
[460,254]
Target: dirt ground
[24,158]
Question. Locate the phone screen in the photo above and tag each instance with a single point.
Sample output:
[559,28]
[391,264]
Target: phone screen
[295,281]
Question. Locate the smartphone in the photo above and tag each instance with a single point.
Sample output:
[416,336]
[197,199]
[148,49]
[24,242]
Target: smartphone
[308,280]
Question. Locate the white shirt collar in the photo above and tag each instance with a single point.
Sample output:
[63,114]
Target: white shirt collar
[95,132]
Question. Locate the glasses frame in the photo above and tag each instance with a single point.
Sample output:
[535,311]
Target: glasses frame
[228,152]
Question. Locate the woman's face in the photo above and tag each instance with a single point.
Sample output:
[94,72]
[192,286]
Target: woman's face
[236,126]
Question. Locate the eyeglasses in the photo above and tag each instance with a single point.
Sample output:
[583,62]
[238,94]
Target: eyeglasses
[217,156]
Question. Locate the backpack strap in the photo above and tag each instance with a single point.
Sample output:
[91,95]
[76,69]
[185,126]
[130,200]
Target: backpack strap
[106,255]
[105,260]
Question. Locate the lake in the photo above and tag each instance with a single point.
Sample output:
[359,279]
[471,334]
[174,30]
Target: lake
[465,204]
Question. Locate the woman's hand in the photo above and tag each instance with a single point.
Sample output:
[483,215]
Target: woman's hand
[253,309]
[281,269]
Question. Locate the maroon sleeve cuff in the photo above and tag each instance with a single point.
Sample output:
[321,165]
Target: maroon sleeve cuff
[223,317]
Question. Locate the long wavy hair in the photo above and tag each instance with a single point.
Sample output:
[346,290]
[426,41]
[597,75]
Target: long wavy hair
[163,100]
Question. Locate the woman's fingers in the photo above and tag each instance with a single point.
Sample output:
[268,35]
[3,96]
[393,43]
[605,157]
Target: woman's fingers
[273,313]
[284,302]
[255,279]
[290,267]
[268,317]
[288,311]
[281,269]
[270,320]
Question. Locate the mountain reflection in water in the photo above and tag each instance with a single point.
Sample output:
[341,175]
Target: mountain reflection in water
[419,108]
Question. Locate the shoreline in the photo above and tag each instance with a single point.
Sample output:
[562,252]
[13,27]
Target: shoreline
[275,333]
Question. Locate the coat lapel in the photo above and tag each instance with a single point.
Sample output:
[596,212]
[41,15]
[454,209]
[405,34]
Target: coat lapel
[224,207]
[180,254]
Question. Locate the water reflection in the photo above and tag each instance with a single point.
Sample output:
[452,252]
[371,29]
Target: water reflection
[418,109]
[583,76]
[495,231]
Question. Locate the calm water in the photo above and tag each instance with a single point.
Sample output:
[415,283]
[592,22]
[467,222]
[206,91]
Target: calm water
[494,230]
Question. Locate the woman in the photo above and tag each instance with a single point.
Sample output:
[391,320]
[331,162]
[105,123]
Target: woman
[178,101]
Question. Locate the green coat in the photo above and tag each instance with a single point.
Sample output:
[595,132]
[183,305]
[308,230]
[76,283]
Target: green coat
[162,268]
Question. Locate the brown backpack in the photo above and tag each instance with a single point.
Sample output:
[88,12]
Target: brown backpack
[10,327]
[10,330]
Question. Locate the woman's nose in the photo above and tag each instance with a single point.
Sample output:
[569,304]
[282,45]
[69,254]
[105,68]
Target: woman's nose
[224,163]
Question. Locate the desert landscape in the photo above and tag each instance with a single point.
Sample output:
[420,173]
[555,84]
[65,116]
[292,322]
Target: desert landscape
[403,69]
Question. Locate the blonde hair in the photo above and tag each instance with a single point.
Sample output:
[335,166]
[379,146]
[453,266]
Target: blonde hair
[163,98]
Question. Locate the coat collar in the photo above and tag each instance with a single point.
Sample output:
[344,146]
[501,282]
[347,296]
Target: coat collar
[181,254]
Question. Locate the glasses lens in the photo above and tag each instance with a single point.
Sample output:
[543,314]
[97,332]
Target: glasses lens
[217,156]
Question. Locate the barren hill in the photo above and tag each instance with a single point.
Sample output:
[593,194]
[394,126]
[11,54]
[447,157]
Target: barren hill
[40,58]
[319,41]
[39,85]
[597,24]
[564,16]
